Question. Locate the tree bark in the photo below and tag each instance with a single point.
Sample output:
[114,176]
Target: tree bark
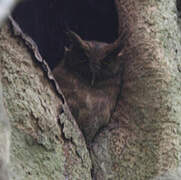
[142,138]
[45,141]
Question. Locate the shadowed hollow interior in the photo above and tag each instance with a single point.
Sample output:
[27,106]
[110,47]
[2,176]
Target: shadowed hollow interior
[45,21]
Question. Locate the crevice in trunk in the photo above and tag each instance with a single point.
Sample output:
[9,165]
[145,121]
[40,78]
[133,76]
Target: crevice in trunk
[90,74]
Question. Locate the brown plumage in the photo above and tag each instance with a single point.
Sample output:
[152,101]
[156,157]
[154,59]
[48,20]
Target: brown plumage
[97,54]
[99,63]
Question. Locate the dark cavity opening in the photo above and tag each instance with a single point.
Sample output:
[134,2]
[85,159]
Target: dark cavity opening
[45,21]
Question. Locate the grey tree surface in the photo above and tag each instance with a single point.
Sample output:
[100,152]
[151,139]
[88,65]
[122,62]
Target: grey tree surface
[4,139]
[46,142]
[5,129]
[142,139]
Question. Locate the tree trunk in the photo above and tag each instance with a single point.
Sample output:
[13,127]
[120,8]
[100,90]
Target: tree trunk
[45,141]
[142,139]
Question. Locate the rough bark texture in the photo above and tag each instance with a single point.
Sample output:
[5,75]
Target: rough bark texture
[45,144]
[5,134]
[143,137]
